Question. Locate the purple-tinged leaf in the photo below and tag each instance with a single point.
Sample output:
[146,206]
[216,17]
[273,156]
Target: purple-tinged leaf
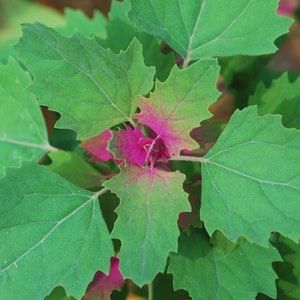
[97,146]
[102,285]
[150,201]
[125,146]
[92,88]
[179,104]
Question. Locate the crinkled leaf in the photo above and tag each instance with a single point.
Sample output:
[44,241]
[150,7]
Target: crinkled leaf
[151,200]
[282,97]
[180,103]
[74,76]
[125,146]
[251,179]
[74,168]
[197,29]
[97,146]
[23,135]
[102,284]
[208,274]
[52,233]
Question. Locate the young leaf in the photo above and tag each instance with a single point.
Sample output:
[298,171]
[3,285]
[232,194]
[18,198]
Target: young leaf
[102,284]
[282,97]
[208,274]
[52,233]
[180,103]
[23,135]
[91,87]
[251,179]
[151,200]
[97,146]
[197,29]
[125,146]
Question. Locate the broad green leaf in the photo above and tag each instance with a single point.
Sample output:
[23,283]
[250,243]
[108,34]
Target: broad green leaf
[208,274]
[180,103]
[121,31]
[151,200]
[23,135]
[201,28]
[251,179]
[77,20]
[282,97]
[51,233]
[75,169]
[91,87]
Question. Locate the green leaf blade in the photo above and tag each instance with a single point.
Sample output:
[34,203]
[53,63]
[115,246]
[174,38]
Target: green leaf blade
[207,274]
[19,110]
[282,97]
[150,203]
[254,196]
[83,92]
[191,28]
[53,234]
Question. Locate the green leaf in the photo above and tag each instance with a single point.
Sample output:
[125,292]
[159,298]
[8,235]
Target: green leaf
[197,29]
[180,103]
[121,31]
[74,168]
[52,233]
[23,135]
[207,274]
[77,20]
[151,200]
[282,97]
[251,179]
[74,76]
[288,270]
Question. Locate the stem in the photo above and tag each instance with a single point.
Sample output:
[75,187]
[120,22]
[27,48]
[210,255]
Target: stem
[52,149]
[100,193]
[185,63]
[187,158]
[150,291]
[132,122]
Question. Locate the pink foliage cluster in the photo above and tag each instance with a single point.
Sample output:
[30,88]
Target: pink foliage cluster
[135,149]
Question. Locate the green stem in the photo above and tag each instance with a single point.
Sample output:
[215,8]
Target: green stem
[187,158]
[150,291]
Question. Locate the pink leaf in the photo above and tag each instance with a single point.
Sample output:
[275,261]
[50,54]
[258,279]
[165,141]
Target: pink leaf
[124,145]
[102,285]
[97,146]
[133,148]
